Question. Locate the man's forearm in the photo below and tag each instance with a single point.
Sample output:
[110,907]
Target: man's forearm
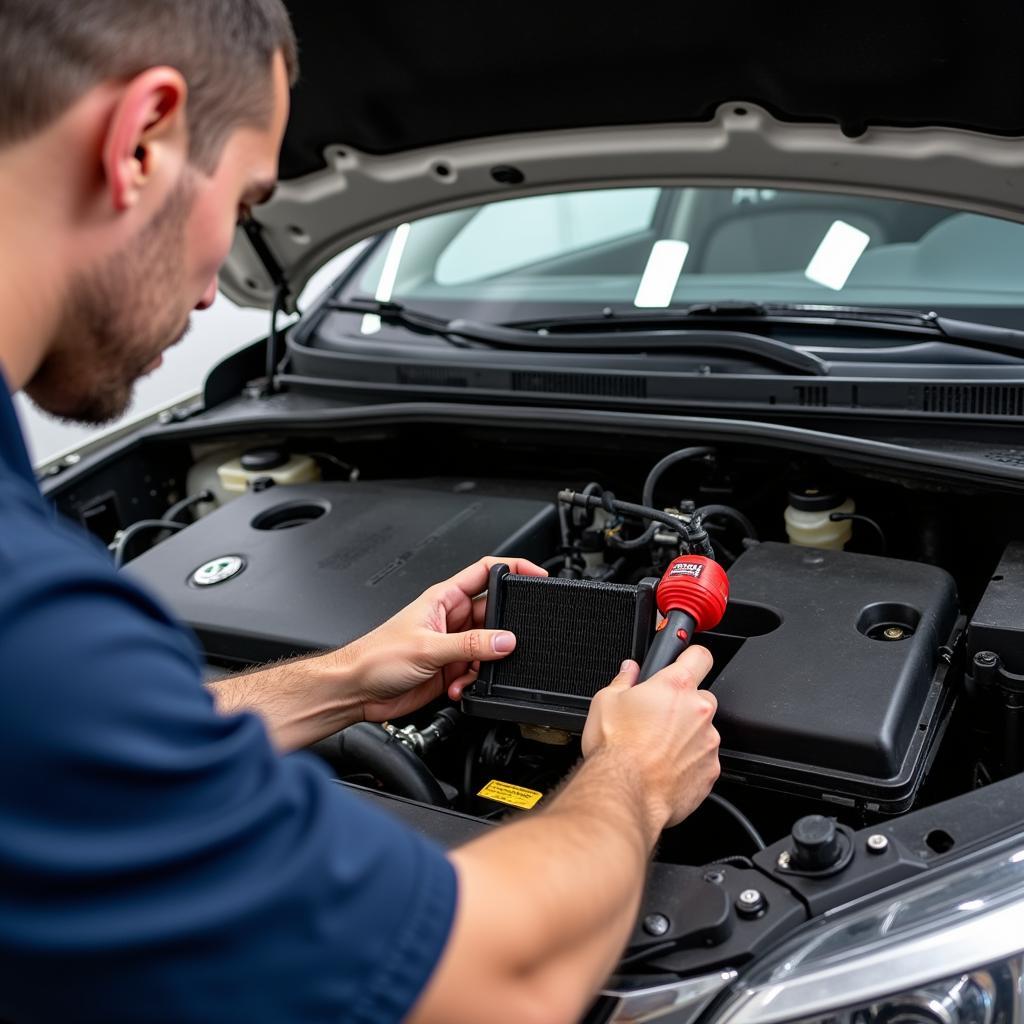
[294,699]
[598,836]
[549,901]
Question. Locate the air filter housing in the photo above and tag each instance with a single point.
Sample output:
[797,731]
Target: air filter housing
[572,636]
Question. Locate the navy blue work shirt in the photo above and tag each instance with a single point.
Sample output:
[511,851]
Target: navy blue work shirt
[158,861]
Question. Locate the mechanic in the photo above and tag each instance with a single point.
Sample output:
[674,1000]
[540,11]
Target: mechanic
[160,860]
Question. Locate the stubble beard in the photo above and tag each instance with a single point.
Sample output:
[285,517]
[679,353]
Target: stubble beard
[117,319]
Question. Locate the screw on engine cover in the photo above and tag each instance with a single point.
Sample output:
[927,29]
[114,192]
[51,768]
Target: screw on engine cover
[877,843]
[715,877]
[783,861]
[656,925]
[750,903]
[895,633]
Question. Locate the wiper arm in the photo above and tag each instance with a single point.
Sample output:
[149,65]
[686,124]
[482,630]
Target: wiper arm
[985,337]
[927,325]
[677,338]
[396,313]
[968,333]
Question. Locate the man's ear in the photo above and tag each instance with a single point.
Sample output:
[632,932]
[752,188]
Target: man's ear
[146,142]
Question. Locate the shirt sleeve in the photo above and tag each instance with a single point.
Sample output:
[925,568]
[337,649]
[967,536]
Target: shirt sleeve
[159,861]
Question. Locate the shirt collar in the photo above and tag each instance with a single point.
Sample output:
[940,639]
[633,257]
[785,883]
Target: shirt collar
[13,453]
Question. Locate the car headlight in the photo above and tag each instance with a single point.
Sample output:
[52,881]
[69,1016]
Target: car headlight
[948,951]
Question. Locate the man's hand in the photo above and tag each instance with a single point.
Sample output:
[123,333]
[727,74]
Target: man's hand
[434,644]
[661,732]
[565,881]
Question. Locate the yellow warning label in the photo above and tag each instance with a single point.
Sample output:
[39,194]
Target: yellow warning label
[506,793]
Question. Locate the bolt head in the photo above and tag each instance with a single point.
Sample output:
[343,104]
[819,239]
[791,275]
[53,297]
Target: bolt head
[715,877]
[877,843]
[750,903]
[656,925]
[895,633]
[985,658]
[784,859]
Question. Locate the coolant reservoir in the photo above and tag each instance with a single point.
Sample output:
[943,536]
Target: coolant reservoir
[237,475]
[808,523]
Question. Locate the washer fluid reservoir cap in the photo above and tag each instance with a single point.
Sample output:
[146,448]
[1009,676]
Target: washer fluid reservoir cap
[260,460]
[815,499]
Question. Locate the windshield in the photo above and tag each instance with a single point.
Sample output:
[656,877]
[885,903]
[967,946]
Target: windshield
[648,248]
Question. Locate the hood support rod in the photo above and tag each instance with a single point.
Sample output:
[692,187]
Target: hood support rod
[282,294]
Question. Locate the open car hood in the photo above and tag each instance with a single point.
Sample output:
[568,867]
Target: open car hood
[408,109]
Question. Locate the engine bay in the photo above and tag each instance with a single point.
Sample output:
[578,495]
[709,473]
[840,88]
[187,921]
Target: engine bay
[846,669]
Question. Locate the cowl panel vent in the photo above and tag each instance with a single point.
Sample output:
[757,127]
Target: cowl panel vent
[973,399]
[580,384]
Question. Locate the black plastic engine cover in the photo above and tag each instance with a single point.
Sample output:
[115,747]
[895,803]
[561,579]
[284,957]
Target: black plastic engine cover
[326,562]
[828,673]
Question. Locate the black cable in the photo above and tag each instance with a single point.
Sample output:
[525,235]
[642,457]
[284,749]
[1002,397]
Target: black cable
[120,546]
[171,515]
[739,817]
[839,517]
[670,460]
[725,556]
[728,512]
[732,861]
[353,471]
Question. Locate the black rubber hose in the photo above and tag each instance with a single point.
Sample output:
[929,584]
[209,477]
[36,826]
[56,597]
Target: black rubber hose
[728,512]
[365,747]
[593,488]
[670,460]
[626,507]
[172,514]
[739,817]
[120,547]
[838,517]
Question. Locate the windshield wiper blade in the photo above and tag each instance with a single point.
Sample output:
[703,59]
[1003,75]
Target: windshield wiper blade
[675,338]
[923,324]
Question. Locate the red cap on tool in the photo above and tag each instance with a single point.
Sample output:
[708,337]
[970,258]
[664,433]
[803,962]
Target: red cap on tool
[697,586]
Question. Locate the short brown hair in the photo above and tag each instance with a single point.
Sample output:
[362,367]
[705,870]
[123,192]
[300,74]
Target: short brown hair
[53,51]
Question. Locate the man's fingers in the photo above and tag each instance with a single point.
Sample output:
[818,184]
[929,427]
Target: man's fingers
[473,580]
[629,673]
[689,668]
[456,686]
[472,645]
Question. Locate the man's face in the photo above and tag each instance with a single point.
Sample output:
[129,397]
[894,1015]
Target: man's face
[123,311]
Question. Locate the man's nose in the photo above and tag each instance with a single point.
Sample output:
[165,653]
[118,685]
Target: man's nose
[209,295]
